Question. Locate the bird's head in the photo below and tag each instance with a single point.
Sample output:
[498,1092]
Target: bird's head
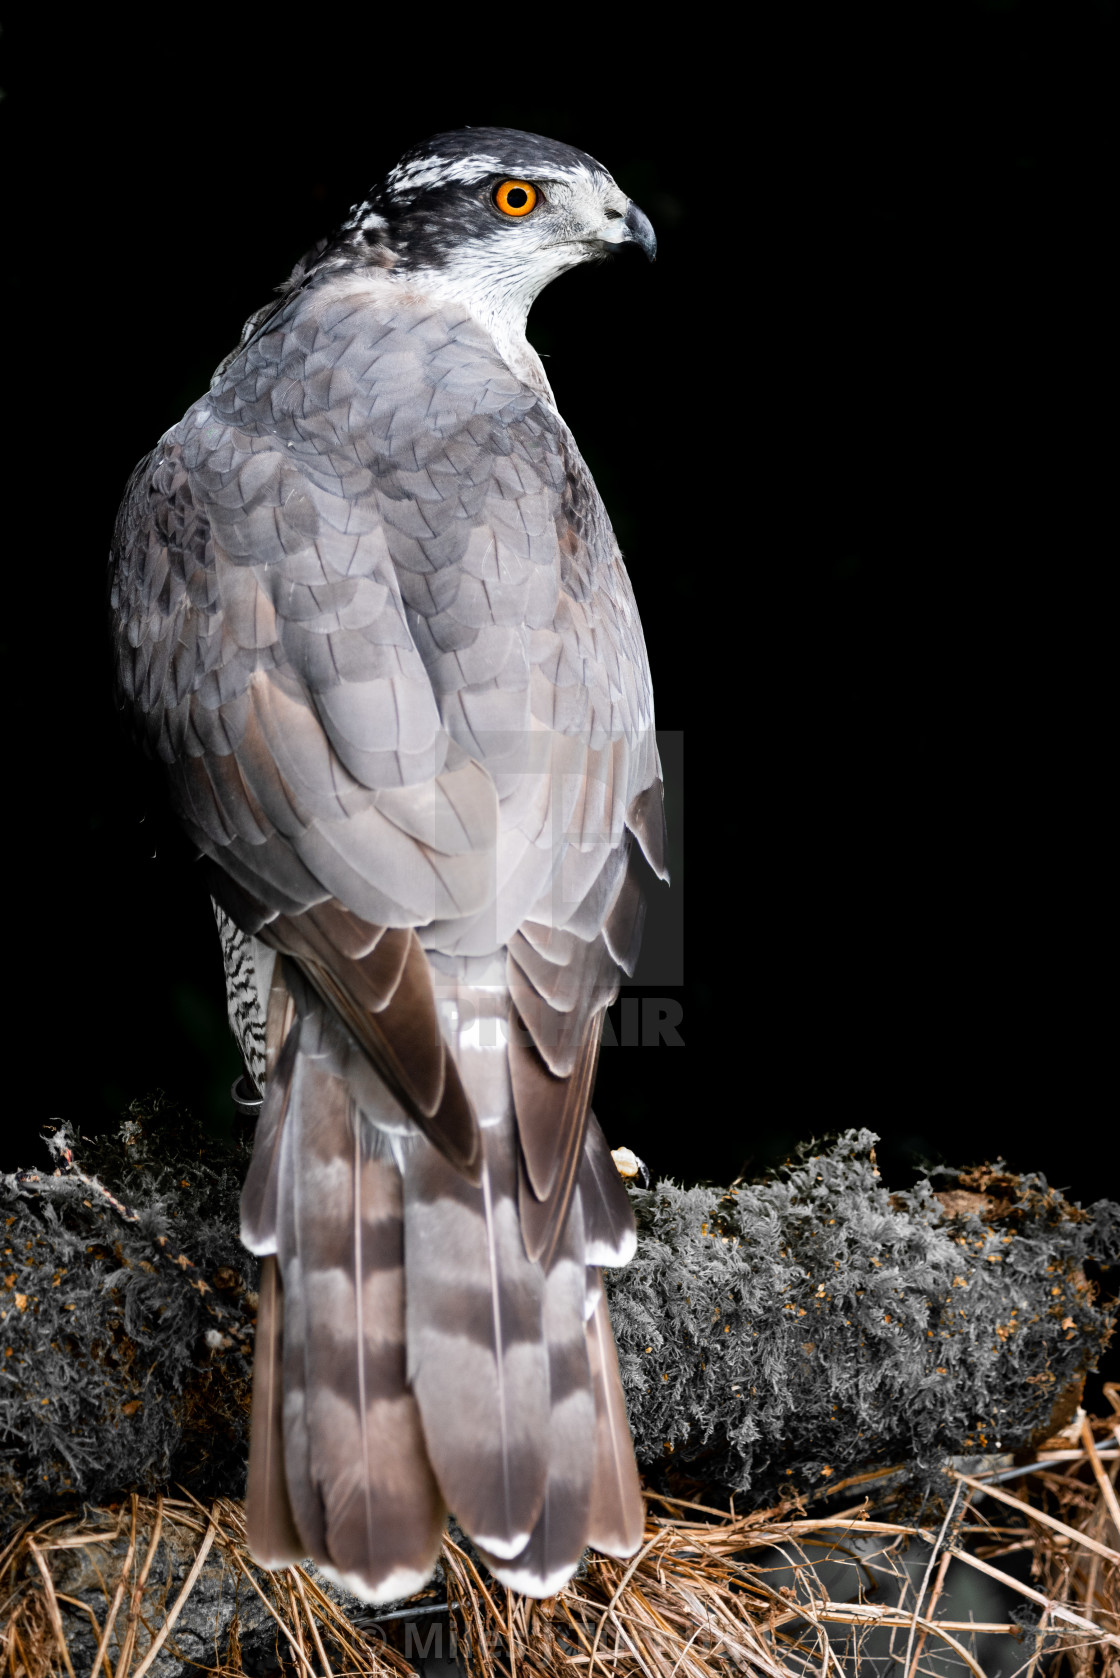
[493,214]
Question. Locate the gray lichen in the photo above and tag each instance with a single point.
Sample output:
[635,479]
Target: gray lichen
[797,1331]
[126,1312]
[787,1333]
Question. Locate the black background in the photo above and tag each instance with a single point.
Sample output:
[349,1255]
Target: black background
[852,430]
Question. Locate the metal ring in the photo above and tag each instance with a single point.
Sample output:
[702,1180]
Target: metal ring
[248,1105]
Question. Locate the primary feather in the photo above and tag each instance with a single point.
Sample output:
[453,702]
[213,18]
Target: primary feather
[370,615]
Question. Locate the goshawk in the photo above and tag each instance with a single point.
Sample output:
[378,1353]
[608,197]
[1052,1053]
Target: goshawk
[370,615]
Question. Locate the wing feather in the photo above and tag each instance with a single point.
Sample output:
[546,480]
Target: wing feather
[610,1233]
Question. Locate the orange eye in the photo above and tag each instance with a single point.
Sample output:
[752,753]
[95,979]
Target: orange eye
[515,198]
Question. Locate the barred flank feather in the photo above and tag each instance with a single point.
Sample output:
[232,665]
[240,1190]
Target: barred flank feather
[248,969]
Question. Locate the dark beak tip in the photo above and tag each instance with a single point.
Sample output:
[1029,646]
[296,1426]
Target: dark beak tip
[640,229]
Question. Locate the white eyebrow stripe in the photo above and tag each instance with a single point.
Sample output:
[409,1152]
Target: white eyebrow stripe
[434,171]
[426,171]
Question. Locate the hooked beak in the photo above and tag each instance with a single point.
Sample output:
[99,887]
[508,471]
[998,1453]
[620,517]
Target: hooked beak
[640,231]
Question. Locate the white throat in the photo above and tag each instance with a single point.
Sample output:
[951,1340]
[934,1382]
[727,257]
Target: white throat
[498,294]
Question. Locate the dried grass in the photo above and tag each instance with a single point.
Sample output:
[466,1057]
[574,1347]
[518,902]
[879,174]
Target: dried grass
[702,1597]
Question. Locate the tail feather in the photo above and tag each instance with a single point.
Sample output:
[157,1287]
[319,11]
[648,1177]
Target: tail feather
[559,1537]
[270,1524]
[382,1513]
[617,1510]
[489,1384]
[341,1472]
[476,1348]
[280,1016]
[306,1504]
